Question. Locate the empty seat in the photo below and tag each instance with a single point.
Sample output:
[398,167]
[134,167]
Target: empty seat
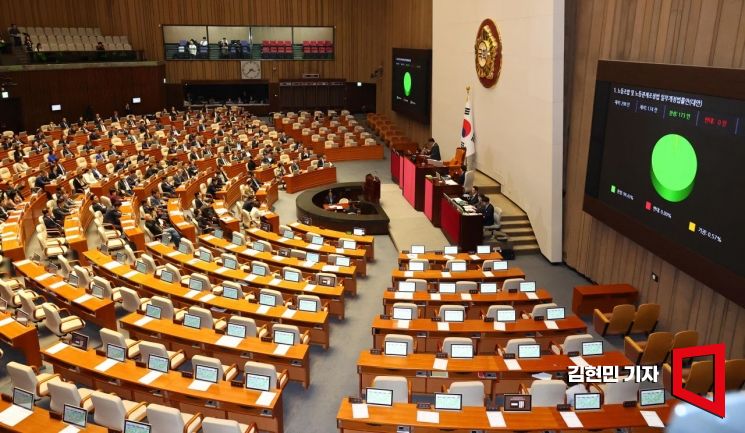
[472,392]
[116,338]
[66,393]
[398,384]
[400,338]
[24,377]
[217,425]
[654,351]
[614,323]
[546,393]
[164,419]
[60,326]
[645,319]
[224,372]
[572,343]
[276,380]
[111,411]
[148,348]
[512,284]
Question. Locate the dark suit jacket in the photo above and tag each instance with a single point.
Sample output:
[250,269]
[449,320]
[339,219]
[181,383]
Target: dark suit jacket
[434,153]
[488,213]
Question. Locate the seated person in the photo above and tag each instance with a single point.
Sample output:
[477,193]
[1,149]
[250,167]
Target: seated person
[113,216]
[330,198]
[461,179]
[49,222]
[487,210]
[157,227]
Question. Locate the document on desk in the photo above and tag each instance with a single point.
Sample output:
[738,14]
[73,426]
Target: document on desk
[278,258]
[263,309]
[403,295]
[449,257]
[43,276]
[193,261]
[199,385]
[266,398]
[69,429]
[130,274]
[340,251]
[13,415]
[281,349]
[112,265]
[288,314]
[56,348]
[542,376]
[488,274]
[142,321]
[330,268]
[427,416]
[20,262]
[191,293]
[512,364]
[400,324]
[275,282]
[208,297]
[82,299]
[408,274]
[173,253]
[313,247]
[57,285]
[150,377]
[435,296]
[652,419]
[6,321]
[106,365]
[412,256]
[500,326]
[532,295]
[228,341]
[465,296]
[221,270]
[440,364]
[250,277]
[443,326]
[550,324]
[496,419]
[580,361]
[474,257]
[359,411]
[309,287]
[571,419]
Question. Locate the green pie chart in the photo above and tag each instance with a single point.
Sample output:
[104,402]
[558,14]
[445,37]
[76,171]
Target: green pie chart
[407,84]
[674,167]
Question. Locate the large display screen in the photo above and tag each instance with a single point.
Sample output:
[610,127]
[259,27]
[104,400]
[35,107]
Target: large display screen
[665,167]
[412,76]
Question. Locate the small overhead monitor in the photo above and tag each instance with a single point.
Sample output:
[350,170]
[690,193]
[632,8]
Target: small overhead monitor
[292,276]
[284,337]
[218,233]
[307,305]
[206,373]
[587,401]
[483,249]
[312,257]
[316,240]
[528,351]
[236,239]
[235,330]
[97,291]
[117,353]
[258,382]
[196,284]
[230,292]
[327,281]
[152,311]
[379,397]
[517,402]
[258,246]
[205,255]
[458,266]
[488,287]
[358,231]
[158,363]
[229,262]
[592,348]
[527,286]
[72,279]
[167,276]
[349,244]
[499,265]
[288,234]
[555,313]
[406,286]
[445,401]
[192,321]
[446,287]
[75,416]
[23,398]
[461,351]
[79,341]
[183,248]
[506,315]
[343,261]
[136,427]
[396,348]
[451,250]
[56,107]
[267,299]
[141,267]
[400,313]
[417,249]
[258,269]
[416,266]
[454,315]
[651,397]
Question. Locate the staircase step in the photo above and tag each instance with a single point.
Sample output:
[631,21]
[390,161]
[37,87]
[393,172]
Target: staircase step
[527,248]
[523,239]
[517,231]
[515,223]
[511,218]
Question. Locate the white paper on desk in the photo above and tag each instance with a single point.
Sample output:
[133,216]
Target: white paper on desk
[313,247]
[359,411]
[440,364]
[142,321]
[571,419]
[499,326]
[150,377]
[6,321]
[408,274]
[173,253]
[542,376]
[275,282]
[449,257]
[56,348]
[412,256]
[57,285]
[69,429]
[13,415]
[435,296]
[488,274]
[208,297]
[403,295]
[288,314]
[263,309]
[228,341]
[306,264]
[266,397]
[81,299]
[402,324]
[532,295]
[340,250]
[106,365]
[309,287]
[191,293]
[253,230]
[199,385]
[295,224]
[112,265]
[176,212]
[221,270]
[20,262]
[208,237]
[475,257]
[233,247]
[512,364]
[652,419]
[43,276]
[427,416]
[443,326]
[550,324]
[330,268]
[130,274]
[250,277]
[580,361]
[496,419]
[193,261]
[465,296]
[152,244]
[281,349]
[278,258]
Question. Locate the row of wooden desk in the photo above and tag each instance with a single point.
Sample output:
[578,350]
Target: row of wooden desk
[309,179]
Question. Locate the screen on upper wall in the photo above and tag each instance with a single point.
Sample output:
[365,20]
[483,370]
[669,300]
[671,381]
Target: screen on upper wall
[412,81]
[665,166]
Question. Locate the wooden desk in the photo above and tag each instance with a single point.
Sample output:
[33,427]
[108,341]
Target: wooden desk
[365,242]
[22,337]
[413,175]
[309,179]
[490,369]
[351,153]
[207,342]
[75,226]
[603,297]
[464,230]
[429,338]
[469,275]
[429,303]
[438,259]
[268,193]
[99,311]
[176,216]
[40,422]
[20,225]
[221,400]
[334,296]
[316,323]
[433,190]
[387,419]
[228,222]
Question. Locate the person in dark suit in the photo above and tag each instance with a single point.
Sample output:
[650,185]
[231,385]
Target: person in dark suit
[253,183]
[251,165]
[49,222]
[167,187]
[330,198]
[461,179]
[113,216]
[487,211]
[321,161]
[473,196]
[96,204]
[79,184]
[434,149]
[41,180]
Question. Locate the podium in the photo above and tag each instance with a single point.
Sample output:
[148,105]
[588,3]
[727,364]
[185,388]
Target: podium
[434,189]
[459,227]
[371,189]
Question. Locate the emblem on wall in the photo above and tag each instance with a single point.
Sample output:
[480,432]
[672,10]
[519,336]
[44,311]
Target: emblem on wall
[488,53]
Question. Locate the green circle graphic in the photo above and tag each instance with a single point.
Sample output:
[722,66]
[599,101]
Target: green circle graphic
[674,167]
[407,84]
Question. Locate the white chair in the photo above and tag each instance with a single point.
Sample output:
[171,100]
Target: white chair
[512,345]
[60,326]
[298,337]
[108,291]
[572,343]
[546,393]
[131,301]
[116,338]
[512,284]
[24,377]
[217,425]
[450,307]
[414,310]
[491,312]
[540,310]
[472,392]
[449,264]
[148,348]
[164,419]
[32,306]
[468,180]
[84,276]
[398,384]
[226,372]
[11,297]
[206,321]
[111,411]
[250,324]
[276,380]
[618,392]
[66,393]
[400,338]
[276,295]
[315,299]
[167,311]
[448,342]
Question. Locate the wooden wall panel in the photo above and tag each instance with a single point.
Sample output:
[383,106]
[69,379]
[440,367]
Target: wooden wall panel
[695,32]
[49,13]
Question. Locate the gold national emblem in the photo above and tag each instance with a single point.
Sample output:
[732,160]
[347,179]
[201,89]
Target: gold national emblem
[488,53]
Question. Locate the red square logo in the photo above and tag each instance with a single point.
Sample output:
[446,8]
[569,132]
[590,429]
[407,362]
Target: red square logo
[716,406]
[648,206]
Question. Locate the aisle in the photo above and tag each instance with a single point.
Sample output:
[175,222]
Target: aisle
[408,226]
